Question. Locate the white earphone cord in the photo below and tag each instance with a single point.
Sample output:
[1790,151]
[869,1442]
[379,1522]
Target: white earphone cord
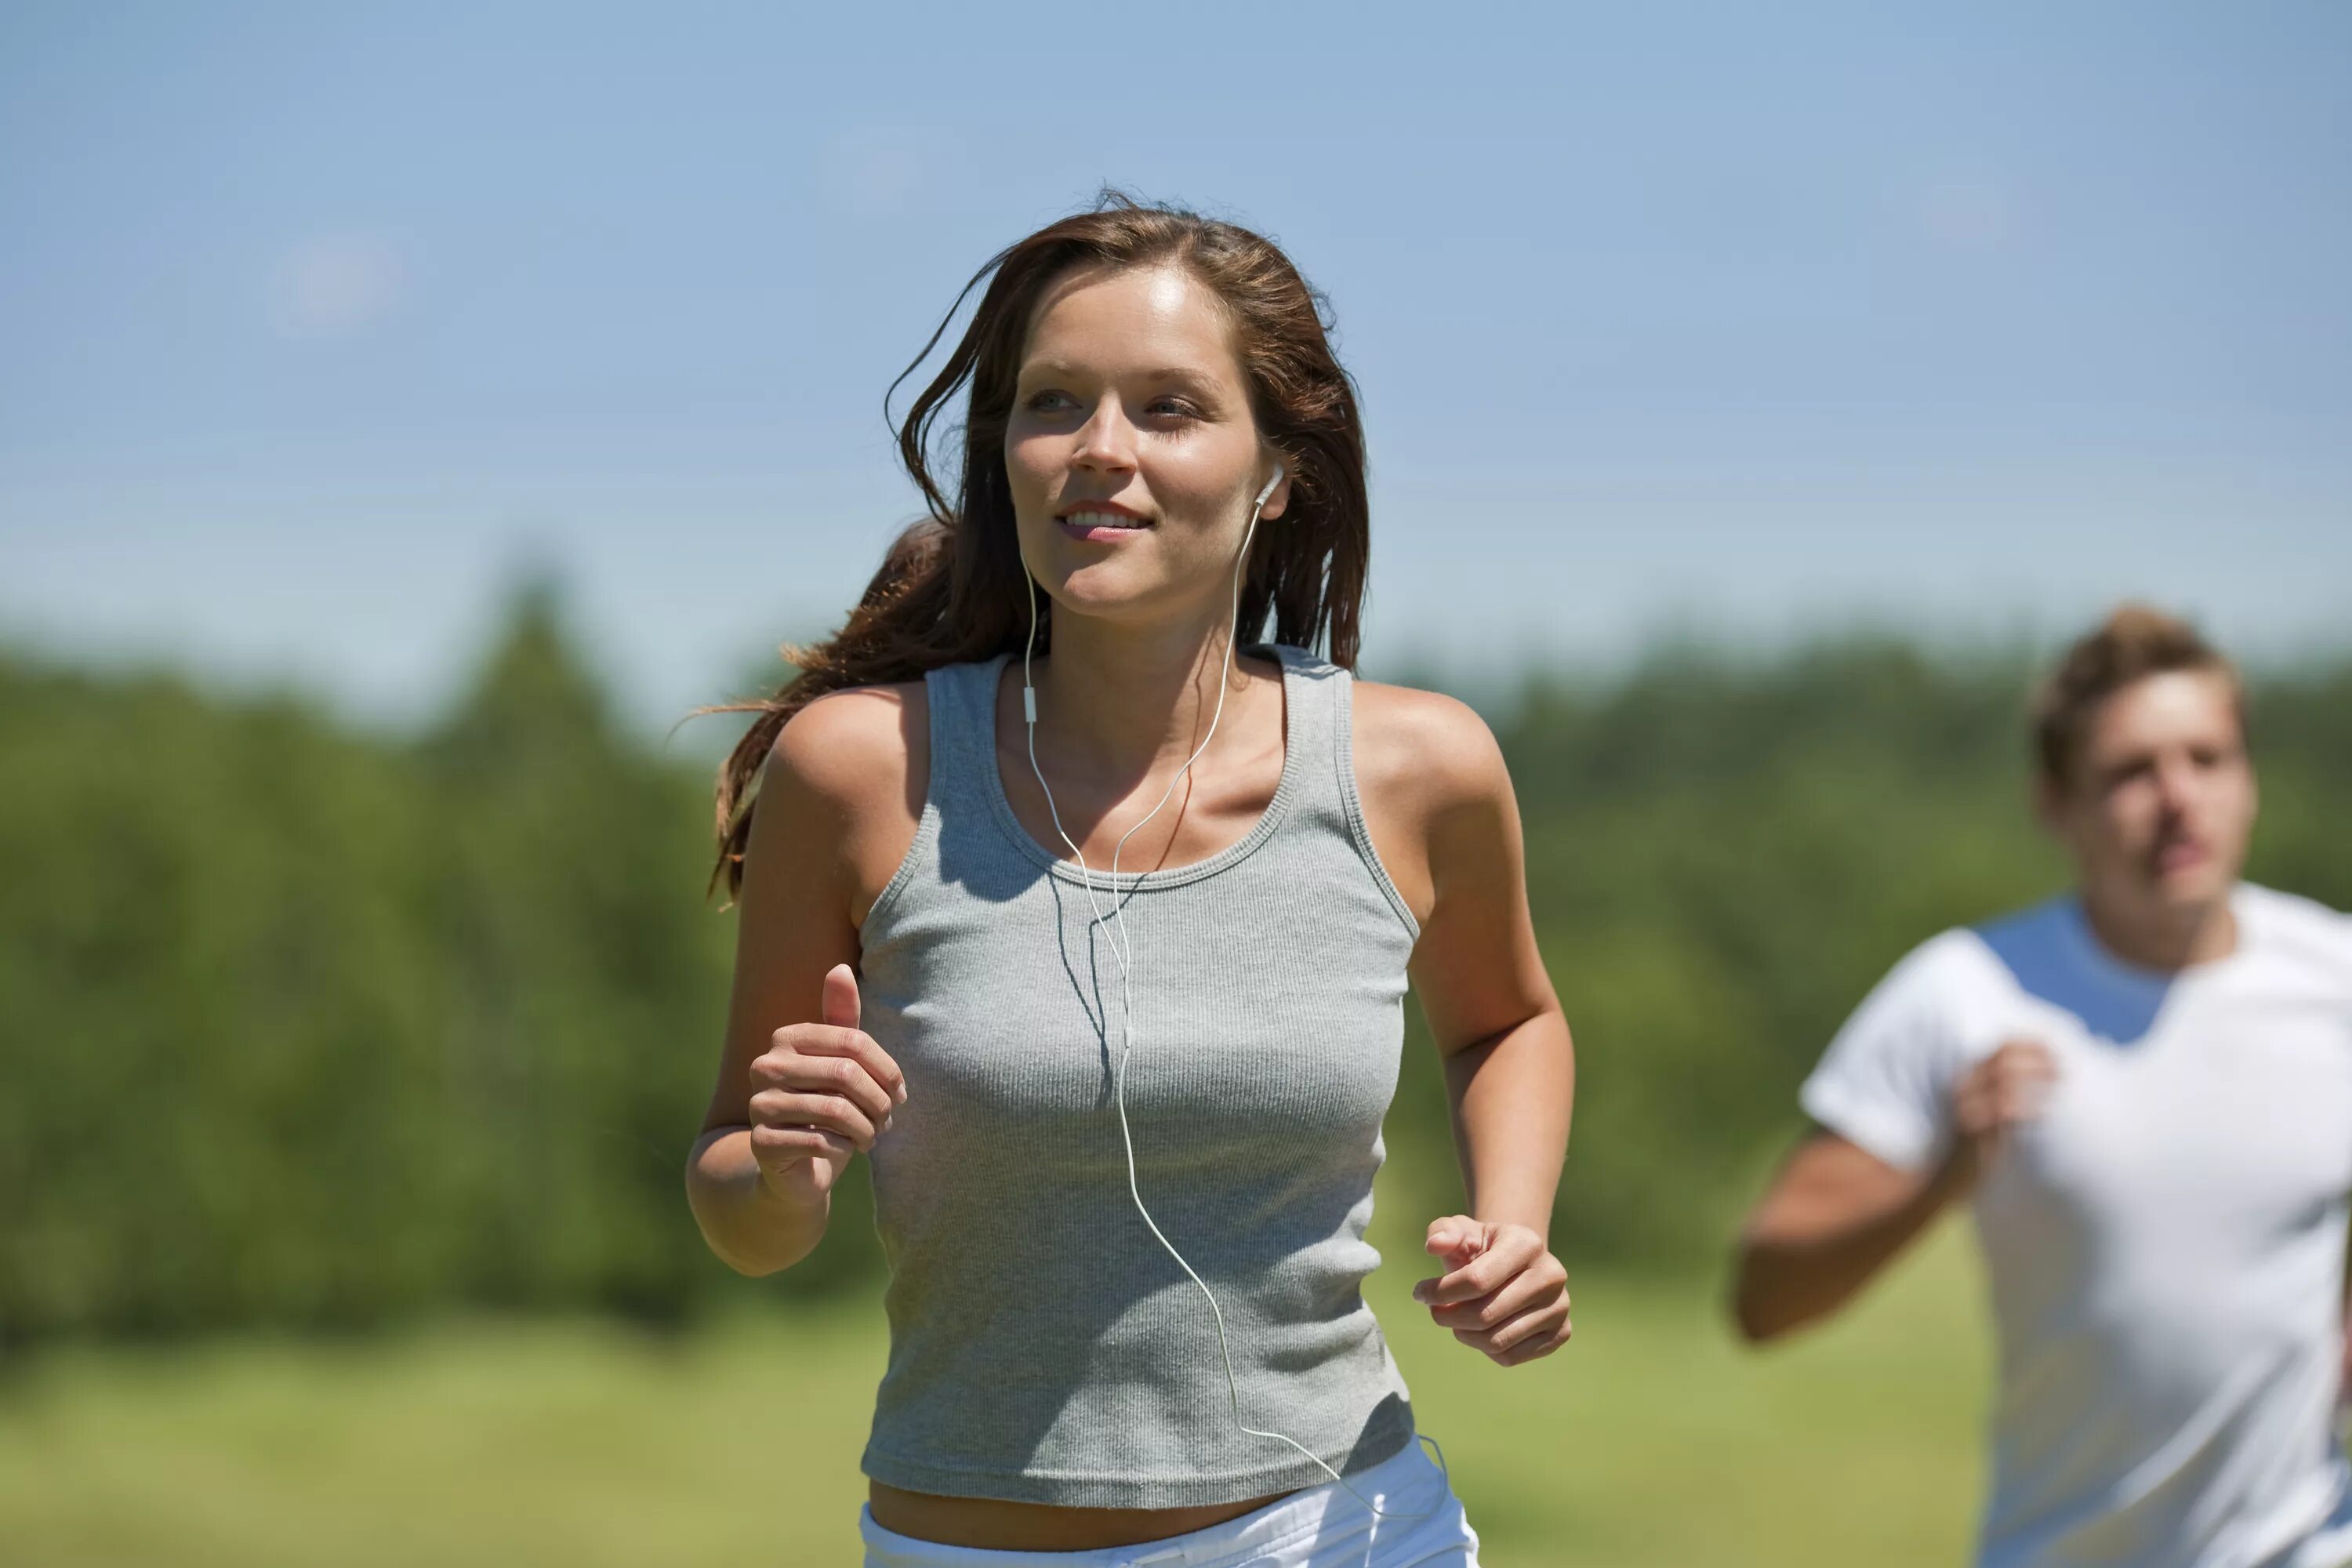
[1122,950]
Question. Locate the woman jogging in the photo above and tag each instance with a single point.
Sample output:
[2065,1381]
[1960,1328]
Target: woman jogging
[1087,918]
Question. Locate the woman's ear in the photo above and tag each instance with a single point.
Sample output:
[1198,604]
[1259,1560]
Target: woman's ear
[1278,492]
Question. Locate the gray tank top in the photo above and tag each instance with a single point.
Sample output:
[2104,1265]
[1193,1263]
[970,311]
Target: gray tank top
[1043,1347]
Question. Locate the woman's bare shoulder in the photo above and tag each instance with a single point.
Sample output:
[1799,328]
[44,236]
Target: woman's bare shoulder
[854,744]
[1425,762]
[856,763]
[1423,751]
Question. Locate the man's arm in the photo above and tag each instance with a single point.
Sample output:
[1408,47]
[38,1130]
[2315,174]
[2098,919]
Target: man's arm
[1833,1217]
[1836,1213]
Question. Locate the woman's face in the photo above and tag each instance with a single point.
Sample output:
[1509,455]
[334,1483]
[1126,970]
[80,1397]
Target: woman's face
[1132,450]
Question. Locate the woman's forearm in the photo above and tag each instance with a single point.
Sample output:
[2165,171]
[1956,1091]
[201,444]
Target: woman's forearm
[753,1228]
[1512,1095]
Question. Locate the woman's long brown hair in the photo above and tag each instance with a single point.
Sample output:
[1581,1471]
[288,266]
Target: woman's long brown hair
[951,588]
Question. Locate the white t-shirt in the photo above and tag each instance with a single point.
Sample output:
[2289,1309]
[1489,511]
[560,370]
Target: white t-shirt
[2166,1245]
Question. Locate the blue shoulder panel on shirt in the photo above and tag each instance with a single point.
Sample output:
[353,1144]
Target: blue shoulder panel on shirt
[2051,952]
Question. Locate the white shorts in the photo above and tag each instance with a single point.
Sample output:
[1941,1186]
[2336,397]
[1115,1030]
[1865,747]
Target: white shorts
[1322,1527]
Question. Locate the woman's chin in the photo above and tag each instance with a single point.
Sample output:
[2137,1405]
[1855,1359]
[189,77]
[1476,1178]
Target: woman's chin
[1109,591]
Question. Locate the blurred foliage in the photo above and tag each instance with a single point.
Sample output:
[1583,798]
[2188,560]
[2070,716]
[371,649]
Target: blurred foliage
[303,1027]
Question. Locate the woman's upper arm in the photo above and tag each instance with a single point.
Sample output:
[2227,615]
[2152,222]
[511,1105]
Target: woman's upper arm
[1439,806]
[840,797]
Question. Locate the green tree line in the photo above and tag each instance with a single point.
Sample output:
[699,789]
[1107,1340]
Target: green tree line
[305,1027]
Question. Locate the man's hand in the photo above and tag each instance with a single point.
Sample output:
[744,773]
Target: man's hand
[1993,1100]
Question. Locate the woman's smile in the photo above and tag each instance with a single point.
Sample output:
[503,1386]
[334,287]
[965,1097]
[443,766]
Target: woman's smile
[1100,520]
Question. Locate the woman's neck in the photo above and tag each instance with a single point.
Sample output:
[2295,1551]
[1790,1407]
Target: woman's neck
[1116,702]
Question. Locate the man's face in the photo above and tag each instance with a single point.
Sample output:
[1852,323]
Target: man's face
[2160,802]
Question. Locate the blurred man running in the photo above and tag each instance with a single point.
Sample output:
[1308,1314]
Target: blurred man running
[2144,1089]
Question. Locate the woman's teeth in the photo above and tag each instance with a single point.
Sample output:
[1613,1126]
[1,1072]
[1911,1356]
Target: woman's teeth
[1103,519]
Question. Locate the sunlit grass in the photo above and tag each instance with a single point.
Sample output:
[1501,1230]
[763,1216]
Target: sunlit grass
[1651,1440]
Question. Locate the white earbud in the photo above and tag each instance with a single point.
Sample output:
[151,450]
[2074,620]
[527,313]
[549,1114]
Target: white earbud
[1268,491]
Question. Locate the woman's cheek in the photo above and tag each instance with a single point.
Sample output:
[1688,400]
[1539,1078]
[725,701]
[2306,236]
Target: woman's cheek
[1029,471]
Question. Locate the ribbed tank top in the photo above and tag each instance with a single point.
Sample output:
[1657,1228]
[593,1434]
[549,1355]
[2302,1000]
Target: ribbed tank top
[1043,1347]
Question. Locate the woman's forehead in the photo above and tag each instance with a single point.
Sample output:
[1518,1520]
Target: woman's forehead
[1162,315]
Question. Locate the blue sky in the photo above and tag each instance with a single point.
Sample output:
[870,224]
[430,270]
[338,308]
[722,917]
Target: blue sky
[319,324]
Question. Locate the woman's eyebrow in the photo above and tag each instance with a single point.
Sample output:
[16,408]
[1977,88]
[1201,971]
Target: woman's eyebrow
[1192,375]
[1189,375]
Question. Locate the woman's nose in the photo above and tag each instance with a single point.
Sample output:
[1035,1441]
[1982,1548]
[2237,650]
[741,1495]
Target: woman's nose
[1106,441]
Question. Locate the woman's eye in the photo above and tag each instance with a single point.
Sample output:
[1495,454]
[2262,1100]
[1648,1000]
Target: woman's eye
[1048,400]
[1173,407]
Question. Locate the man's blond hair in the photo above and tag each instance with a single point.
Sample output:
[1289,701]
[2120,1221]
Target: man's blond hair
[2133,643]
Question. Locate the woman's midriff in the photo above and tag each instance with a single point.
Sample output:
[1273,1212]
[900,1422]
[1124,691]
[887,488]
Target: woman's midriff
[994,1525]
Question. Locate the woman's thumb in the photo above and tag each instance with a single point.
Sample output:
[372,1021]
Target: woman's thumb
[839,1004]
[1452,1236]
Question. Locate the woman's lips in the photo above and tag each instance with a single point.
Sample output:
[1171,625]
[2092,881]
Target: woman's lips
[1101,523]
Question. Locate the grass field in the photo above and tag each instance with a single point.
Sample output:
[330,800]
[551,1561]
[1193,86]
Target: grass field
[1650,1441]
